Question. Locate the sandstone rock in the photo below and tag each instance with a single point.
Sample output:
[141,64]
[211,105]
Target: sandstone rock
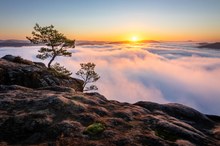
[122,141]
[66,128]
[59,116]
[18,71]
[125,115]
[58,89]
[180,112]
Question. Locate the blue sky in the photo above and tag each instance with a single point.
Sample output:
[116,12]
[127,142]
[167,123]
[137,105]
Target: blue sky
[119,19]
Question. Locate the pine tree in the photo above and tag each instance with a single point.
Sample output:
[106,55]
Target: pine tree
[88,75]
[56,43]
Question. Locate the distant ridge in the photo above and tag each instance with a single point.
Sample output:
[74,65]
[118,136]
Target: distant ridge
[215,45]
[21,43]
[112,42]
[14,43]
[127,42]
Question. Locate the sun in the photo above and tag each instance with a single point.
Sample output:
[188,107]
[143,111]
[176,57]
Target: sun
[134,38]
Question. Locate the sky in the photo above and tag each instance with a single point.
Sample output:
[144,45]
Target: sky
[114,20]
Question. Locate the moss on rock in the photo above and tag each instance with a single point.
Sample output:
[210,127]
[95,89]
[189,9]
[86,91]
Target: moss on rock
[94,129]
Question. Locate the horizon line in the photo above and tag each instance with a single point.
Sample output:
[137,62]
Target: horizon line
[121,41]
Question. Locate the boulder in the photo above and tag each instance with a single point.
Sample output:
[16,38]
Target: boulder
[179,111]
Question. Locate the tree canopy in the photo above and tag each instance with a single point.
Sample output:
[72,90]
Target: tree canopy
[88,75]
[56,43]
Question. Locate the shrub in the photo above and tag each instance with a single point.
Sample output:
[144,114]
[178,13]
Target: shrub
[18,59]
[59,71]
[94,129]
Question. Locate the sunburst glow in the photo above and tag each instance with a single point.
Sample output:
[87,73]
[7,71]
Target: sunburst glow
[134,39]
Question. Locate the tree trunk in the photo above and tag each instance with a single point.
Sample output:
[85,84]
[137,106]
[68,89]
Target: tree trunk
[84,85]
[52,59]
[85,82]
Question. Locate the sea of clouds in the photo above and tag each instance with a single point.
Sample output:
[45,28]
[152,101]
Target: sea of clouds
[157,72]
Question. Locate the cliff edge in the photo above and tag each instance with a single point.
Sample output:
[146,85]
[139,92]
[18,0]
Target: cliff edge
[45,112]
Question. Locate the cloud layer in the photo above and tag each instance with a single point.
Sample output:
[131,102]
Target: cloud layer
[160,72]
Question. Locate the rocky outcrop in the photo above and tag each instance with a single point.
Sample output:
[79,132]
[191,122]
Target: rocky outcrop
[60,116]
[15,70]
[40,107]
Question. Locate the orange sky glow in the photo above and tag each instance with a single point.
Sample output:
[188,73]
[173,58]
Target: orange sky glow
[115,20]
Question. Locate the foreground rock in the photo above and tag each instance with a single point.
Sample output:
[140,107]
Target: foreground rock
[40,107]
[15,70]
[61,116]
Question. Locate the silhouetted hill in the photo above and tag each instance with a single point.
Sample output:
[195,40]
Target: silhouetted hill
[14,43]
[215,46]
[21,43]
[128,42]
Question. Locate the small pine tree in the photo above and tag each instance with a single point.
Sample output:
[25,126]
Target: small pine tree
[88,75]
[57,44]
